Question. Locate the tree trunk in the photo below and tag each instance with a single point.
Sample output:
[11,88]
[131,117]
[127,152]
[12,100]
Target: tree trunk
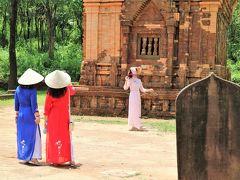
[4,25]
[42,34]
[36,27]
[51,28]
[21,15]
[12,81]
[80,28]
[51,38]
[62,30]
[28,22]
[37,30]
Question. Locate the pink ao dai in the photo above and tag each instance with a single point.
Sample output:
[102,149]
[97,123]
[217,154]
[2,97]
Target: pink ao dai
[134,108]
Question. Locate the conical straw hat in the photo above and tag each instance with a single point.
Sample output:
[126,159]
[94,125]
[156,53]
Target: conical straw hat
[134,70]
[57,79]
[30,77]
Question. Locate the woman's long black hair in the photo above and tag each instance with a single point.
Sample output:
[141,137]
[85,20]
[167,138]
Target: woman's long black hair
[32,86]
[130,74]
[28,86]
[57,93]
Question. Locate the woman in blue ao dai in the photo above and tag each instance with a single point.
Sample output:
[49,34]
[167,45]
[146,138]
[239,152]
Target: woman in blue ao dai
[28,118]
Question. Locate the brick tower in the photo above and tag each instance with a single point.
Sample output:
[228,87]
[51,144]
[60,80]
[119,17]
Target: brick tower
[176,42]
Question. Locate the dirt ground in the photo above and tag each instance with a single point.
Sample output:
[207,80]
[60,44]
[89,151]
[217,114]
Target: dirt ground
[103,151]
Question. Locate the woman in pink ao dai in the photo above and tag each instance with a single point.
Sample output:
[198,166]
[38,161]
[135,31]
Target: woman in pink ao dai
[134,108]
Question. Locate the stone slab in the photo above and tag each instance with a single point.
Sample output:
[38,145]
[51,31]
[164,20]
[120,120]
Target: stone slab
[208,130]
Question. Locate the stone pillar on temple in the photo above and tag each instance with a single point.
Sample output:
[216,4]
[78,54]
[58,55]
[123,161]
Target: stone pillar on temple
[101,42]
[175,42]
[202,39]
[148,36]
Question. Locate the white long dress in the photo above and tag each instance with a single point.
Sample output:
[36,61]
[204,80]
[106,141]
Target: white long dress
[134,108]
[38,146]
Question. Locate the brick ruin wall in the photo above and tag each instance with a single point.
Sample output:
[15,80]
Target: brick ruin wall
[175,43]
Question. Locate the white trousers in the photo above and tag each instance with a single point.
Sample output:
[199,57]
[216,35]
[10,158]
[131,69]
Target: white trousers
[38,146]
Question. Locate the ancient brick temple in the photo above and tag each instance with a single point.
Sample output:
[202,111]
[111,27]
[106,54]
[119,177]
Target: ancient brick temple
[176,42]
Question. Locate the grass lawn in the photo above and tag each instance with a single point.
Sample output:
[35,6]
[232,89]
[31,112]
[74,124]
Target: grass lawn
[10,102]
[161,125]
[41,95]
[168,126]
[2,91]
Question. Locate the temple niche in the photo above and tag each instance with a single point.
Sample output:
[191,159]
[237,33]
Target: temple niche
[174,42]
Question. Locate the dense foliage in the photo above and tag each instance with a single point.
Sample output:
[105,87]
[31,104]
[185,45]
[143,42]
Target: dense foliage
[49,36]
[234,45]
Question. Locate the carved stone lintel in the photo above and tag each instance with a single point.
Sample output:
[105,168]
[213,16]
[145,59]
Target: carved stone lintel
[155,50]
[144,46]
[150,40]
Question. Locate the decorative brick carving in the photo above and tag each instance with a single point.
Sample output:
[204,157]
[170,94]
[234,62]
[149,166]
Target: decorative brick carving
[175,43]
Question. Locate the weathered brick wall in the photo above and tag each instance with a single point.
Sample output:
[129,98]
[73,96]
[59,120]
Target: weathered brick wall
[202,40]
[149,18]
[101,42]
[105,101]
[188,39]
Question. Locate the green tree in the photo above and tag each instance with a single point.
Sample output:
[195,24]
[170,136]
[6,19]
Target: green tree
[48,36]
[12,82]
[4,6]
[234,36]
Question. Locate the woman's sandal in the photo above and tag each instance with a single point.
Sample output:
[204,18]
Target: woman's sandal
[73,165]
[133,129]
[142,129]
[35,162]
